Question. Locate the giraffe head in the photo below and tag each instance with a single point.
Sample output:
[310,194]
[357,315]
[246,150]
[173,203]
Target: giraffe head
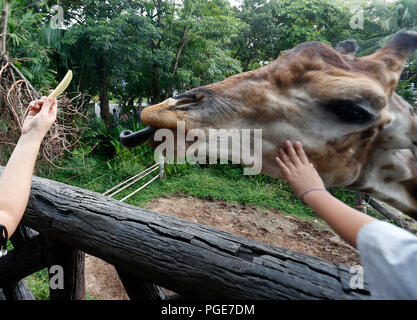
[355,129]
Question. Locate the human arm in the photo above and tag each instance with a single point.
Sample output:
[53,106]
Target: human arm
[388,253]
[16,180]
[302,176]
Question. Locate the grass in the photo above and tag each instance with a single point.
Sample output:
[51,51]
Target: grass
[215,182]
[39,284]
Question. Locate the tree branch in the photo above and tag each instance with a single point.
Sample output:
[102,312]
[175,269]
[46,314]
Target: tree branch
[4,21]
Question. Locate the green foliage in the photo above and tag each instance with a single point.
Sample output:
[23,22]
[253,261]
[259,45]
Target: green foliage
[275,26]
[9,246]
[404,91]
[205,29]
[384,19]
[131,47]
[104,140]
[27,44]
[39,284]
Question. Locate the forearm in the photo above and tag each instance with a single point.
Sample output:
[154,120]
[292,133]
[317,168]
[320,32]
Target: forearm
[343,219]
[16,181]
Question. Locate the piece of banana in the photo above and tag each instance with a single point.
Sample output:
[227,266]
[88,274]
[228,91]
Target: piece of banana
[62,86]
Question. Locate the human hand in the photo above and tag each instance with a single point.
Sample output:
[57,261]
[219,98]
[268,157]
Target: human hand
[41,116]
[297,169]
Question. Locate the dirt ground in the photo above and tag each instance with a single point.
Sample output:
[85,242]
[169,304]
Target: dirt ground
[269,226]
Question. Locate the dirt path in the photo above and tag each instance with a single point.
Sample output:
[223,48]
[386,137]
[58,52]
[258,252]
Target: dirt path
[269,226]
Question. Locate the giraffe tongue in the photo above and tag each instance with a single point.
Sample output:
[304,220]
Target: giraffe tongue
[133,139]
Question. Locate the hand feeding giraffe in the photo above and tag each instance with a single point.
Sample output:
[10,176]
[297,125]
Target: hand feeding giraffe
[356,130]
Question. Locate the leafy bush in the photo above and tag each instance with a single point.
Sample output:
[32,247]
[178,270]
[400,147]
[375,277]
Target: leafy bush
[404,90]
[104,140]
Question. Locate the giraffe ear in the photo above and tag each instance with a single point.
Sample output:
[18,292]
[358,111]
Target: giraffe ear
[402,45]
[349,46]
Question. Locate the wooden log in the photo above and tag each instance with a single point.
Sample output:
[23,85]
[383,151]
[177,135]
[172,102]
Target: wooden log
[35,255]
[182,256]
[18,291]
[71,262]
[404,222]
[138,289]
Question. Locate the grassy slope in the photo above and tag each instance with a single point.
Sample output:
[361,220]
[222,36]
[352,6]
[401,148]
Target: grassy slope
[214,182]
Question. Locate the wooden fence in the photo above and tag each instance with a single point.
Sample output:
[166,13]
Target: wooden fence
[152,250]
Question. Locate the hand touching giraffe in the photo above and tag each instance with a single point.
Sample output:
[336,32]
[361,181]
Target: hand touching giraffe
[298,170]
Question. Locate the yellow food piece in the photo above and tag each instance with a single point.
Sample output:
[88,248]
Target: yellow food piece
[62,86]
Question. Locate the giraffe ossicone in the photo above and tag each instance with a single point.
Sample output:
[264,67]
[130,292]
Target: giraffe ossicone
[356,130]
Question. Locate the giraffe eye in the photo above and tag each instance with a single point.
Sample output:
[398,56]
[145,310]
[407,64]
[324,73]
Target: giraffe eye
[350,111]
[185,102]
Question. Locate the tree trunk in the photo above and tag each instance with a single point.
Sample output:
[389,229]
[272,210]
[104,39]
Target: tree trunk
[181,46]
[131,102]
[156,94]
[140,100]
[246,65]
[4,21]
[104,94]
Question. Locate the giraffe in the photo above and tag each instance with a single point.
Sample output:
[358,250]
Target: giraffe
[355,129]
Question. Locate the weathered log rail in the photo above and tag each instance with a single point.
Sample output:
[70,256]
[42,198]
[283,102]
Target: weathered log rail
[193,260]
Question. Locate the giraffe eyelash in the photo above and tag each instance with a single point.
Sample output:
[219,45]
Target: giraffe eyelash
[350,111]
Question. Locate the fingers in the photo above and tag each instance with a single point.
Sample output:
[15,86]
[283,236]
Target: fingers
[301,153]
[49,105]
[54,109]
[285,159]
[36,105]
[283,167]
[292,154]
[45,107]
[34,108]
